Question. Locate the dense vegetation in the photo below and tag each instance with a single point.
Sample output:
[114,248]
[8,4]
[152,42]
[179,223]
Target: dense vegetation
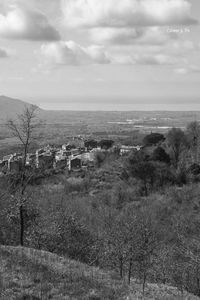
[137,215]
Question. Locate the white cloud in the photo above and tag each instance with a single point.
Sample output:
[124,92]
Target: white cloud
[126,13]
[117,22]
[3,53]
[123,36]
[189,45]
[115,35]
[144,59]
[181,71]
[70,53]
[187,70]
[58,53]
[195,69]
[22,23]
[157,59]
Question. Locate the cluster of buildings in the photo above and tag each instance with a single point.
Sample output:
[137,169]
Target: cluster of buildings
[58,158]
[49,157]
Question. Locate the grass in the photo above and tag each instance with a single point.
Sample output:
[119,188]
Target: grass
[29,274]
[44,275]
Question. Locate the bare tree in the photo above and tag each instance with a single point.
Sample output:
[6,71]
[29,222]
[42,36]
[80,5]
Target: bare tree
[193,134]
[24,129]
[176,140]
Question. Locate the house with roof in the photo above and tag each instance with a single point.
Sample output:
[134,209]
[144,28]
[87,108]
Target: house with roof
[74,163]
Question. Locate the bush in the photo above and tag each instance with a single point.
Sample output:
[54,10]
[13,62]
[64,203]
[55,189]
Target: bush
[153,139]
[159,154]
[76,185]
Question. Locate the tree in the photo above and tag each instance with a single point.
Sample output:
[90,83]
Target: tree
[163,175]
[153,139]
[176,140]
[90,144]
[194,169]
[193,136]
[120,195]
[159,154]
[24,130]
[99,158]
[118,239]
[132,240]
[141,168]
[146,239]
[74,239]
[106,144]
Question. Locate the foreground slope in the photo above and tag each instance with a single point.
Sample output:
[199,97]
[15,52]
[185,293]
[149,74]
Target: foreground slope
[44,275]
[32,274]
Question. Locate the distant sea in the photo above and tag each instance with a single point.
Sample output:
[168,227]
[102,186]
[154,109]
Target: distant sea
[116,104]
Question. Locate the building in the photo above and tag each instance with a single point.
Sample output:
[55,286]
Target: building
[44,161]
[74,163]
[75,152]
[60,164]
[127,149]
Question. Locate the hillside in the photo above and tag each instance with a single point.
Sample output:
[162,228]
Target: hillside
[10,107]
[32,274]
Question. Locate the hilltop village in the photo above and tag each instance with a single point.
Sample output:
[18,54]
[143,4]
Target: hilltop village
[66,156]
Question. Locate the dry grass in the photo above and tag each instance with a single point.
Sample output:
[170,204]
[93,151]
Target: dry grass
[44,275]
[27,274]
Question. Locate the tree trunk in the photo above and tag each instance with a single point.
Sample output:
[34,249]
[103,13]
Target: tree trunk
[197,280]
[21,225]
[176,159]
[130,270]
[144,282]
[121,267]
[198,287]
[145,189]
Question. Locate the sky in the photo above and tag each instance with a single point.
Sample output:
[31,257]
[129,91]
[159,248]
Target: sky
[101,54]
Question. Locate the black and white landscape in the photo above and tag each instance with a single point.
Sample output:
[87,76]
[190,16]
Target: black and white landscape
[99,149]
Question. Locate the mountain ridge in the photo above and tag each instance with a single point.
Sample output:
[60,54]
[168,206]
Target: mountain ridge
[11,107]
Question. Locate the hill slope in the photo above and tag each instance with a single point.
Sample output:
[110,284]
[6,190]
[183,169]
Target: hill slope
[10,107]
[32,274]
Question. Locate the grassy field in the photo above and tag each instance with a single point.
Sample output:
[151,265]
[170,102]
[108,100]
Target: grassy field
[32,274]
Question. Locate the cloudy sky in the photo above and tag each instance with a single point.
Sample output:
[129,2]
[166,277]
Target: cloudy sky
[101,54]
